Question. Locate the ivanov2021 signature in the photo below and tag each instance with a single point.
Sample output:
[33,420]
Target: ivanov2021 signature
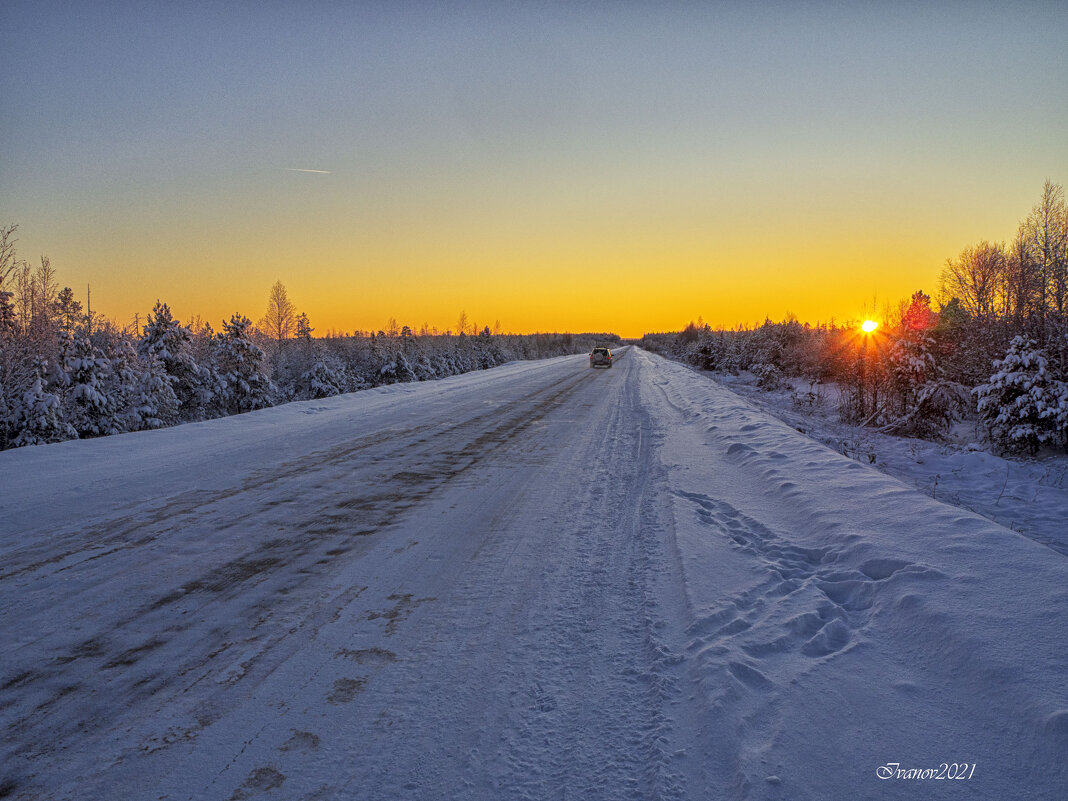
[945,771]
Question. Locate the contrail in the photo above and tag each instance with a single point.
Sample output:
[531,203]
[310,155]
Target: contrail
[298,169]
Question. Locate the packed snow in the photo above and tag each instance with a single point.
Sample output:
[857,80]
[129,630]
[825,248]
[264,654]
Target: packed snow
[537,581]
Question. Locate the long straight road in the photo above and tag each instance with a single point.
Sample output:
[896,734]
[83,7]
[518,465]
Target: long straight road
[541,581]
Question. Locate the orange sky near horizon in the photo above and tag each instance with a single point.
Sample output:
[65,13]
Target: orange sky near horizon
[629,277]
[589,167]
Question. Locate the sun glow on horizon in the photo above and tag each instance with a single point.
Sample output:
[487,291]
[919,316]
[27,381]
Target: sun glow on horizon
[868,326]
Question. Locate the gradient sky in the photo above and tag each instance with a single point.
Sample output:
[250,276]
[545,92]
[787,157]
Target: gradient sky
[618,166]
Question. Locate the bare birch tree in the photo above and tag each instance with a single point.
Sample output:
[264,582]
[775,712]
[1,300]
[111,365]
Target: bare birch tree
[9,260]
[280,320]
[977,278]
[1046,234]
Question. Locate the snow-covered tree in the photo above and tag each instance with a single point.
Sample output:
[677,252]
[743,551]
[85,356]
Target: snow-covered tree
[324,379]
[424,369]
[1020,403]
[7,315]
[38,414]
[241,368]
[769,376]
[1060,415]
[172,344]
[912,365]
[396,370]
[153,403]
[164,337]
[926,403]
[14,378]
[913,354]
[119,381]
[83,372]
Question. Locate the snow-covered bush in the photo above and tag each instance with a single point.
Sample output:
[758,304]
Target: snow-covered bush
[936,406]
[808,400]
[324,379]
[768,376]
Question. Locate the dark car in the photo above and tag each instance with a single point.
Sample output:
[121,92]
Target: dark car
[601,357]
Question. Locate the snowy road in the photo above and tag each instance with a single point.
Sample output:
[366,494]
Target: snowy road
[540,581]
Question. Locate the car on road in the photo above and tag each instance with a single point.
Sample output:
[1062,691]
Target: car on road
[601,357]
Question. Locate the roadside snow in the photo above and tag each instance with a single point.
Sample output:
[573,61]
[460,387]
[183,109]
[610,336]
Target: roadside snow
[1026,495]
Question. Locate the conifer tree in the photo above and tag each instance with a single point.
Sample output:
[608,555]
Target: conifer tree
[171,342]
[304,328]
[68,310]
[153,402]
[1019,404]
[83,372]
[240,365]
[912,362]
[323,379]
[38,416]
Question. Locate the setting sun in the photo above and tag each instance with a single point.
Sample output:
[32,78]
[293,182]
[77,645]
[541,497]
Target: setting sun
[868,326]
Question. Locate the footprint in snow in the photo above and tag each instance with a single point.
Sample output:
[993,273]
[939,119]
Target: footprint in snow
[259,780]
[369,656]
[346,689]
[300,741]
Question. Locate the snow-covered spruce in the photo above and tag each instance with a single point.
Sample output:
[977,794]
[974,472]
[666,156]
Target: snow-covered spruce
[81,376]
[240,364]
[172,344]
[37,415]
[1021,403]
[154,404]
[324,379]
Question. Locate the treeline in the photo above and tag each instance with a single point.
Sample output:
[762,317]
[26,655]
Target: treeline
[67,373]
[994,344]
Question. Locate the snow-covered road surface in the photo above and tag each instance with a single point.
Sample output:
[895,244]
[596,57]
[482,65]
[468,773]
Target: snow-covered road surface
[540,581]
